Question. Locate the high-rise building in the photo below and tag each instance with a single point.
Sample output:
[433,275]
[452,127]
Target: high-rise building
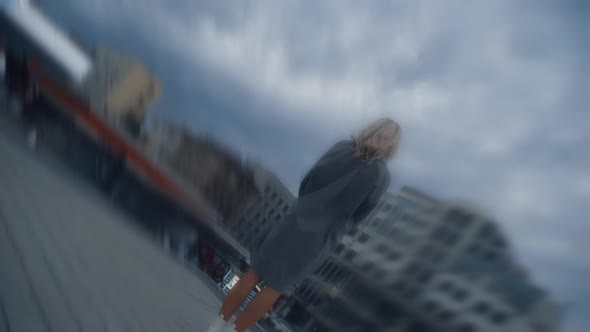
[395,268]
[255,220]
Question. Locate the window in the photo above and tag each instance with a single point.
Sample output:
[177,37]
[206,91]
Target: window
[424,276]
[363,238]
[451,238]
[486,231]
[413,268]
[411,293]
[350,255]
[274,195]
[460,294]
[445,286]
[281,202]
[393,256]
[339,249]
[399,286]
[499,318]
[489,256]
[381,248]
[430,306]
[467,328]
[380,274]
[367,266]
[445,316]
[376,222]
[498,242]
[481,308]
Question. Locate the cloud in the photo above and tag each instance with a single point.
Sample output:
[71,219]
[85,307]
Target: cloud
[491,96]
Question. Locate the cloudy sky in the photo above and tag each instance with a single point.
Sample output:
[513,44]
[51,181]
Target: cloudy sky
[491,96]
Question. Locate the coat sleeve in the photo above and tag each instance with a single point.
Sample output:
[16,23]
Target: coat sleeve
[383,180]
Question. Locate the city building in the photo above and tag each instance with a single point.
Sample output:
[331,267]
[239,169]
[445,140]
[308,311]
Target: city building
[205,166]
[24,29]
[393,271]
[255,220]
[477,294]
[120,88]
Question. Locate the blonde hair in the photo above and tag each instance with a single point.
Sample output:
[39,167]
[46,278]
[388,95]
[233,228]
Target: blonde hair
[378,140]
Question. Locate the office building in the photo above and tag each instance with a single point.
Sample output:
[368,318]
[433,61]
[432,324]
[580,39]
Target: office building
[393,271]
[265,209]
[204,166]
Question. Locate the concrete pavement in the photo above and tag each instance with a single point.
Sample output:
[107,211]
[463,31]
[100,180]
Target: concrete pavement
[71,262]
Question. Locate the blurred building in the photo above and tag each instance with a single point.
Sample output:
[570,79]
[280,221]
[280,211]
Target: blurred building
[120,88]
[395,268]
[269,206]
[25,30]
[204,165]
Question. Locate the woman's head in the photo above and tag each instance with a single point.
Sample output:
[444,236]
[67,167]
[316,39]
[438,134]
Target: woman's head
[378,140]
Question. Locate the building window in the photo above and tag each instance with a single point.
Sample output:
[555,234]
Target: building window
[489,256]
[467,328]
[350,255]
[498,242]
[368,266]
[445,316]
[499,318]
[379,275]
[486,231]
[393,256]
[399,286]
[363,238]
[481,308]
[376,222]
[339,249]
[381,248]
[411,293]
[460,294]
[445,286]
[424,276]
[413,268]
[430,306]
[274,195]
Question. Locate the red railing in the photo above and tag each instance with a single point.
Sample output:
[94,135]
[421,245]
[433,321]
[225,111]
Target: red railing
[97,127]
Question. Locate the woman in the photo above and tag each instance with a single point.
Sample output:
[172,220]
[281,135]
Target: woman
[340,190]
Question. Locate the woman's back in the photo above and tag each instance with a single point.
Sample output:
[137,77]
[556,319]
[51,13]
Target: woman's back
[335,164]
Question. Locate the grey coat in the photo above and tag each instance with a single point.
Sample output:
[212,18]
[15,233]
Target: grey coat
[339,191]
